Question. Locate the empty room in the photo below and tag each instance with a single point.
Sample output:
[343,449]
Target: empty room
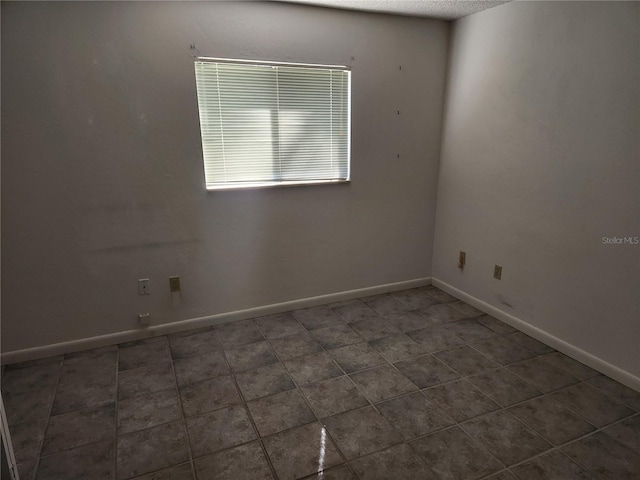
[332,239]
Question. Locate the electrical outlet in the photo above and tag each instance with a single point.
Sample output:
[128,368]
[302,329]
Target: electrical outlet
[143,286]
[174,284]
[462,259]
[144,318]
[497,272]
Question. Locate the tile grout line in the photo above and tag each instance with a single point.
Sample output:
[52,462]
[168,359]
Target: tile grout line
[44,434]
[182,414]
[297,387]
[246,406]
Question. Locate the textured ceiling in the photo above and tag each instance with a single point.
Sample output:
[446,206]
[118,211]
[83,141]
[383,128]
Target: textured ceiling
[442,9]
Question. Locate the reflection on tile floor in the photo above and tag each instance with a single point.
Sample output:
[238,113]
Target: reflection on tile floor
[410,385]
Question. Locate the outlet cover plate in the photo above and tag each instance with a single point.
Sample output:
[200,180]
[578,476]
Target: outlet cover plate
[174,284]
[497,272]
[143,286]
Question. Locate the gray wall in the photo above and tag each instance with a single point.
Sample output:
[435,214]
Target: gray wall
[541,160]
[102,178]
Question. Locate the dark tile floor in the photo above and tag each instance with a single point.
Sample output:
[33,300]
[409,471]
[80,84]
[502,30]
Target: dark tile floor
[410,385]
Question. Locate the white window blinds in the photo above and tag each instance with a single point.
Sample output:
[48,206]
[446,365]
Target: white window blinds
[268,124]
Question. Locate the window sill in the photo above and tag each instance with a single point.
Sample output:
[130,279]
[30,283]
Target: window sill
[256,185]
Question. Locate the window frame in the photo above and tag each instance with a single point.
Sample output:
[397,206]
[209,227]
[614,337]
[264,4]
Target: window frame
[249,184]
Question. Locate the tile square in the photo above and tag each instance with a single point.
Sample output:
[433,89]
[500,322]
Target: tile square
[551,420]
[28,406]
[592,405]
[426,371]
[442,312]
[85,394]
[454,455]
[605,456]
[145,354]
[333,396]
[295,345]
[374,327]
[385,304]
[503,350]
[263,381]
[80,368]
[542,374]
[178,472]
[529,343]
[235,334]
[505,437]
[279,412]
[414,299]
[207,395]
[617,391]
[21,380]
[470,330]
[627,433]
[149,410]
[27,439]
[494,324]
[359,432]
[466,360]
[246,462]
[358,356]
[381,383]
[94,461]
[187,344]
[312,368]
[468,310]
[279,325]
[338,336]
[218,430]
[353,311]
[410,321]
[151,449]
[552,465]
[79,428]
[504,387]
[317,317]
[200,367]
[397,463]
[436,338]
[305,443]
[252,355]
[570,365]
[398,347]
[145,380]
[414,415]
[440,296]
[461,400]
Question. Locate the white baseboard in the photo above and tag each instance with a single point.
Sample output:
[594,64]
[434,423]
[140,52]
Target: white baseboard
[572,351]
[200,322]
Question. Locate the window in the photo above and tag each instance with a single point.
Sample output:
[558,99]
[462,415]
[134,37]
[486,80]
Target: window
[267,124]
